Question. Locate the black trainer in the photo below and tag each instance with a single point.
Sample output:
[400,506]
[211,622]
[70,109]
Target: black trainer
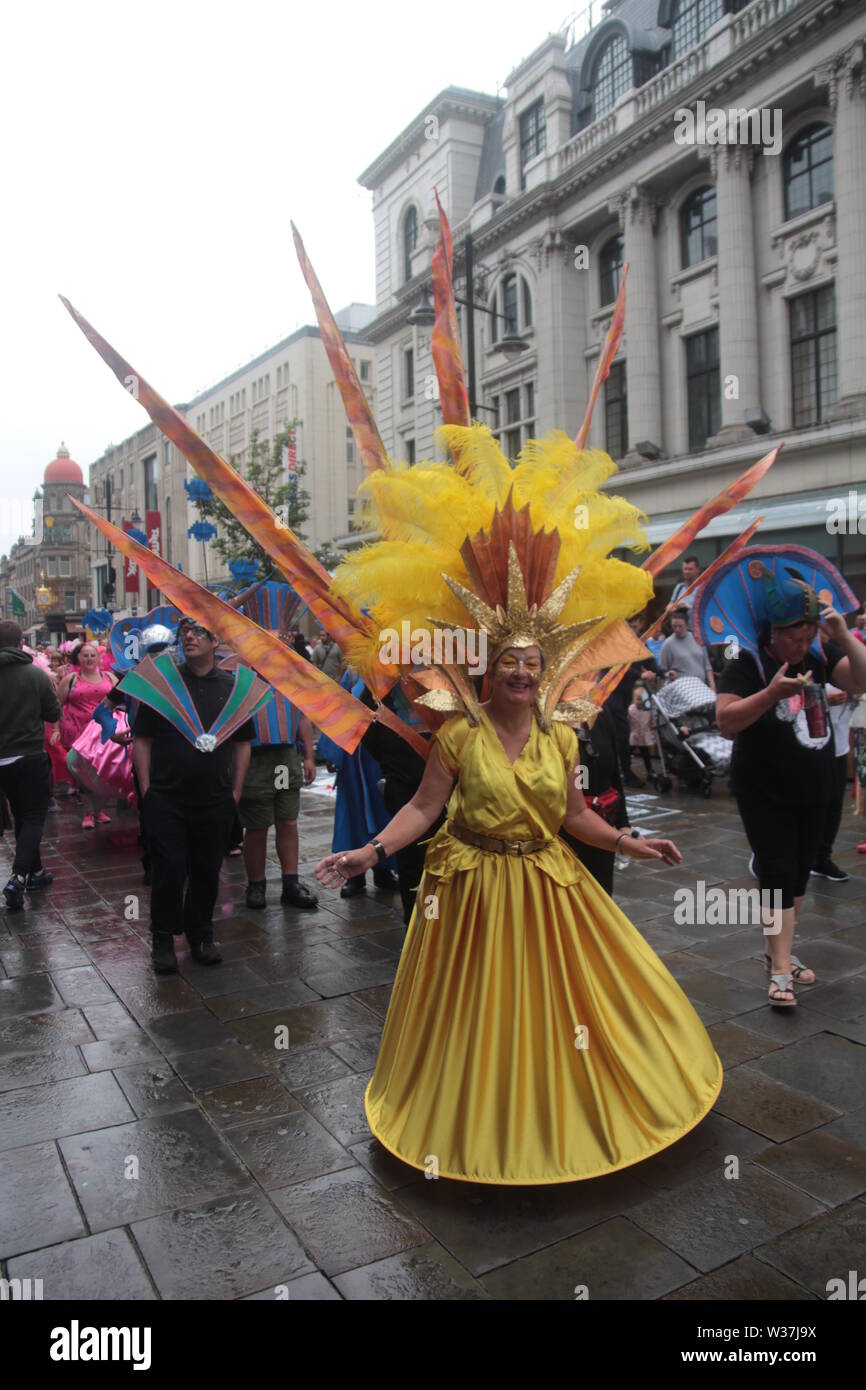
[353,886]
[827,869]
[14,894]
[205,953]
[40,880]
[386,881]
[296,895]
[256,894]
[162,954]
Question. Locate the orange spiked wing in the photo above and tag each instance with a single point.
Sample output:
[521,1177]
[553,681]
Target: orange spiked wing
[303,571]
[447,357]
[327,704]
[674,546]
[608,353]
[356,405]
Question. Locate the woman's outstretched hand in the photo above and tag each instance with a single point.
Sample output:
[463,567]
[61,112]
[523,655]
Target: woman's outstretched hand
[653,849]
[336,868]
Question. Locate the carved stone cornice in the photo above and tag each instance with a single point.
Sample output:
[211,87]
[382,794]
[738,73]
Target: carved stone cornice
[733,159]
[846,69]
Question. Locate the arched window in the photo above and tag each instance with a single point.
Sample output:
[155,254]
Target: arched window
[698,235]
[610,269]
[613,76]
[808,170]
[511,307]
[499,187]
[691,21]
[410,240]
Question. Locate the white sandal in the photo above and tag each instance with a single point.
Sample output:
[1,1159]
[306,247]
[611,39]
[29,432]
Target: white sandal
[797,970]
[782,983]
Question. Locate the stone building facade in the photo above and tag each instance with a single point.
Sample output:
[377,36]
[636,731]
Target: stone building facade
[291,381]
[720,149]
[49,571]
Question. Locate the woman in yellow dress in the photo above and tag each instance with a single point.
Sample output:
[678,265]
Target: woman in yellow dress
[532,1036]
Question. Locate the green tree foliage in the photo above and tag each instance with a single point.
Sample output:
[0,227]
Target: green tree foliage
[265,473]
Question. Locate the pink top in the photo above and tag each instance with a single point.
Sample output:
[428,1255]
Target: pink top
[80,704]
[640,727]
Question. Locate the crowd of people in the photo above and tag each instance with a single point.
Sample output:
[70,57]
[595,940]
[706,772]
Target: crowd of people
[68,723]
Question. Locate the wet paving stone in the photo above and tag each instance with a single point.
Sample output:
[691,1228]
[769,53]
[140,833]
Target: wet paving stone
[845,999]
[188,1032]
[330,1020]
[376,1000]
[82,986]
[714,1219]
[345,1220]
[214,980]
[612,1261]
[361,1055]
[486,1226]
[426,1273]
[218,1066]
[32,1069]
[246,1101]
[288,1148]
[339,1106]
[224,1249]
[824,1249]
[153,1089]
[768,1107]
[110,1022]
[362,951]
[746,1278]
[31,994]
[704,1150]
[851,1128]
[181,1161]
[389,1172]
[51,956]
[735,1043]
[104,1267]
[43,1032]
[278,967]
[36,1202]
[262,999]
[158,998]
[119,1052]
[310,1066]
[818,1163]
[310,1288]
[345,981]
[34,1113]
[724,993]
[829,1068]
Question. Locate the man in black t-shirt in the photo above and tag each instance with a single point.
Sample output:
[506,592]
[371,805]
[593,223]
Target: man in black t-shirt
[188,801]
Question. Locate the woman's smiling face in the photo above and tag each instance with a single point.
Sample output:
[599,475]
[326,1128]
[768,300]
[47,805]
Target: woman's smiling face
[516,674]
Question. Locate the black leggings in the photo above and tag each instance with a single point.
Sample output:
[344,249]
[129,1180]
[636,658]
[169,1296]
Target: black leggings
[785,841]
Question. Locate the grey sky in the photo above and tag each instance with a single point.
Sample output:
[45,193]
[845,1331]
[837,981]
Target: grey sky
[153,156]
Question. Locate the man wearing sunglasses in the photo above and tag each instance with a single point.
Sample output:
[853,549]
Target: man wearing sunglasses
[188,800]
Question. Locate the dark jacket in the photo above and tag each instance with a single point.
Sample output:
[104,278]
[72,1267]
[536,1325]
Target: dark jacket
[27,701]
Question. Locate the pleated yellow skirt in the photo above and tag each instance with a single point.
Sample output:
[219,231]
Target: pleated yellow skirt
[533,1036]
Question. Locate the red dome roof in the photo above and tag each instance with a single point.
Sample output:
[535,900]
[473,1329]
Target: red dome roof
[63,469]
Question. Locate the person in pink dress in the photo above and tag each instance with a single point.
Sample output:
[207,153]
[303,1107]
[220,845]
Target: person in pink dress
[79,693]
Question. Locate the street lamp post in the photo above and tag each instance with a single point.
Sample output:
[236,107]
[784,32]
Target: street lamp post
[512,345]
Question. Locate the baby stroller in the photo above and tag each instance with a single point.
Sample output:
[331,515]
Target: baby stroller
[699,755]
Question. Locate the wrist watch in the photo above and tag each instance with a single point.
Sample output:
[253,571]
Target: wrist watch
[380,849]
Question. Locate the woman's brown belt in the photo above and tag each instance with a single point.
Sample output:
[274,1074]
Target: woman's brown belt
[518,847]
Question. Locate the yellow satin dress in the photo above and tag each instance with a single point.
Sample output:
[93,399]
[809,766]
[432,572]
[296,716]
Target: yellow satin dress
[532,1035]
